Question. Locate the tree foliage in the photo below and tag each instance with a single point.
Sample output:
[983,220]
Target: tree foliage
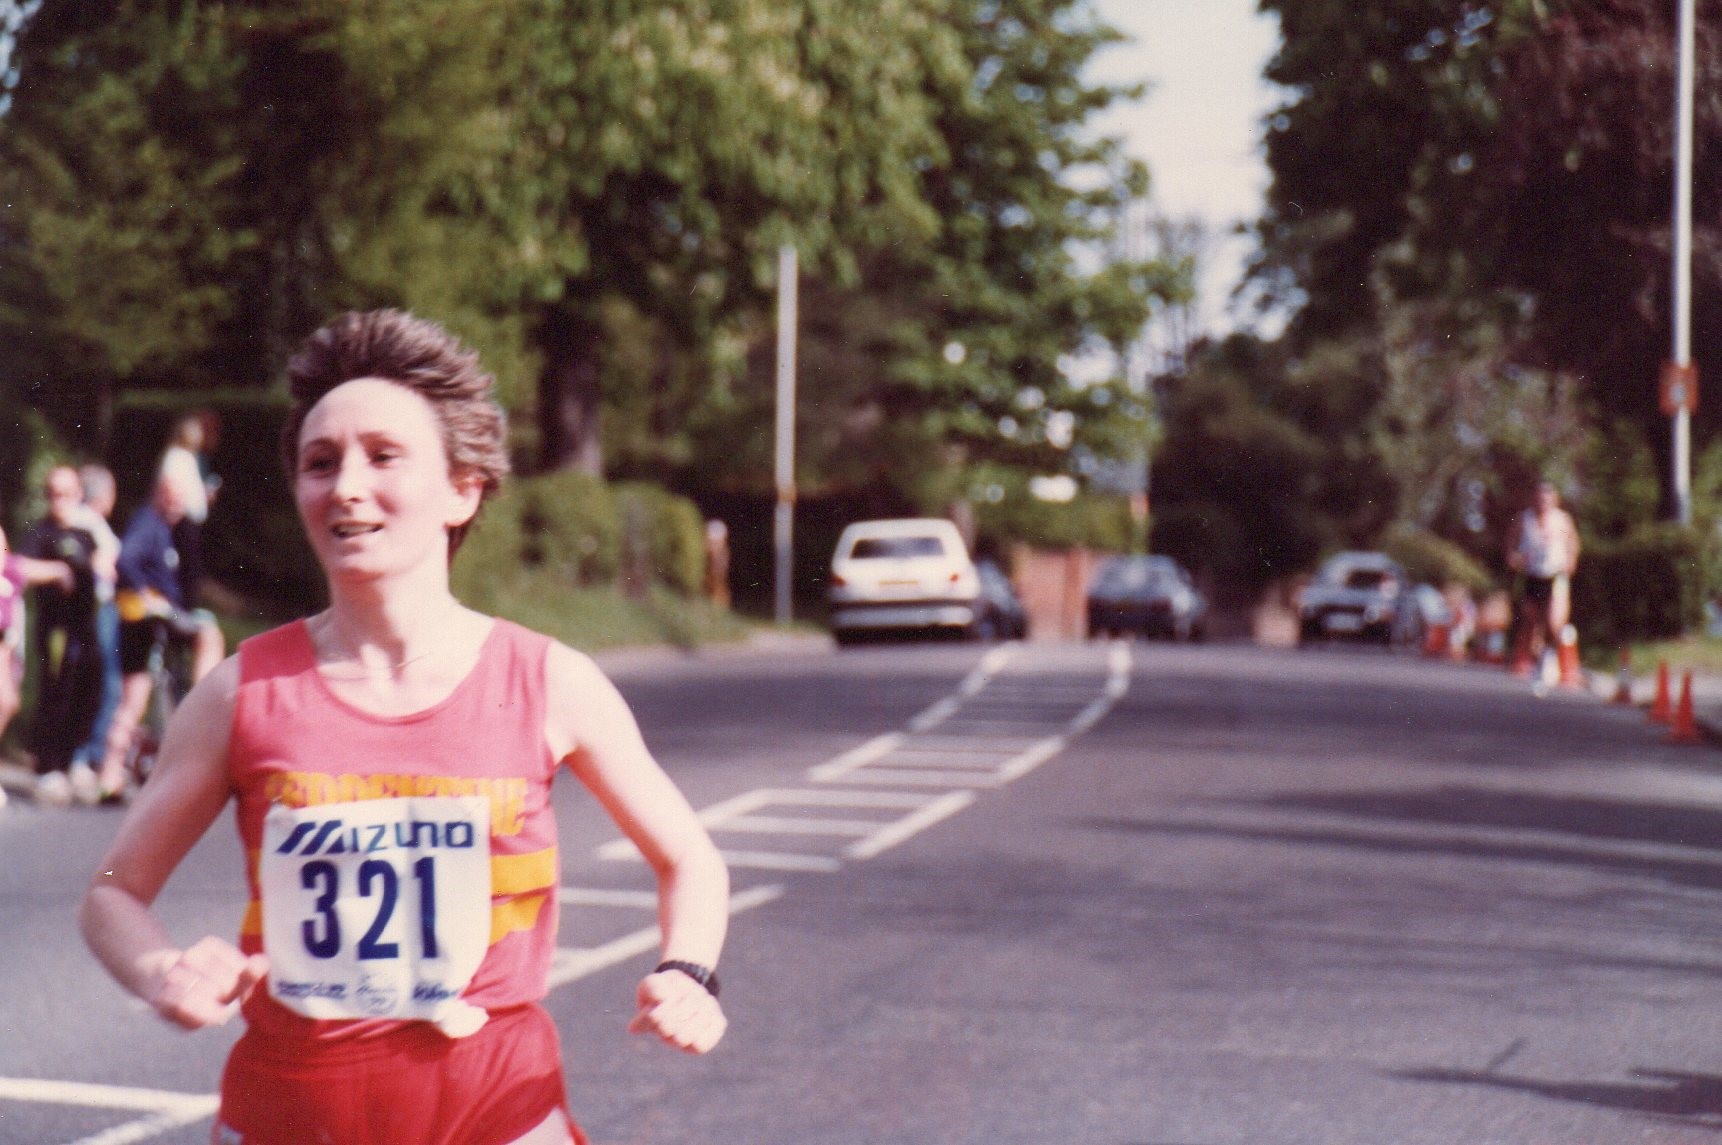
[593,194]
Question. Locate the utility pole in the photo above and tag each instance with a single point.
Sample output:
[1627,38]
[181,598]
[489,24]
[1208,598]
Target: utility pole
[784,522]
[1680,376]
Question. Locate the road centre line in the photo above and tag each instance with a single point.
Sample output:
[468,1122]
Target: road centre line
[784,825]
[572,963]
[923,777]
[937,760]
[979,677]
[167,1110]
[863,755]
[600,896]
[909,825]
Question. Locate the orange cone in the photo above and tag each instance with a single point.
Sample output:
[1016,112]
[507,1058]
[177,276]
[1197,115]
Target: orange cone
[1661,708]
[1436,639]
[1623,679]
[1567,655]
[1685,725]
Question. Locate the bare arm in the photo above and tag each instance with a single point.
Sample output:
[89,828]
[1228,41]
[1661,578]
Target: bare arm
[591,726]
[197,985]
[35,571]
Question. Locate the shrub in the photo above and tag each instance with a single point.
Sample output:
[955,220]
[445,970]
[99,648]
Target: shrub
[1649,586]
[1435,560]
[570,530]
[663,539]
[1091,520]
[570,523]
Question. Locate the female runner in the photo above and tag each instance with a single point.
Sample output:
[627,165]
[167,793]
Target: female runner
[390,761]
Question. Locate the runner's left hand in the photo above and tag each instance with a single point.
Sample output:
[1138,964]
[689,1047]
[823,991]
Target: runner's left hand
[678,1010]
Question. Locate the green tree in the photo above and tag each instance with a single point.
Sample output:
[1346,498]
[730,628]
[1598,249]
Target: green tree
[667,149]
[190,188]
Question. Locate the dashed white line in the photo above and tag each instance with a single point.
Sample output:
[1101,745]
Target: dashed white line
[911,824]
[571,963]
[167,1111]
[784,825]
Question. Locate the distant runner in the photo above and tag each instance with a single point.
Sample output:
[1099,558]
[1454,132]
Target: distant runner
[390,761]
[1544,550]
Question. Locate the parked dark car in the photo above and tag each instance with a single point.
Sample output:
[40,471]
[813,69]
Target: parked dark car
[1355,595]
[999,612]
[1149,596]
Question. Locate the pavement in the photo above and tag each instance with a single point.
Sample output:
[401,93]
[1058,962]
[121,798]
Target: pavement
[1706,695]
[18,780]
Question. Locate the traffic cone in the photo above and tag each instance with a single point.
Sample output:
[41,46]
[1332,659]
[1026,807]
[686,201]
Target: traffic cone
[1436,640]
[1568,658]
[1685,725]
[1623,679]
[1661,708]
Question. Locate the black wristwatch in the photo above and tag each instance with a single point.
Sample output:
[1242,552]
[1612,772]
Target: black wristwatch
[704,975]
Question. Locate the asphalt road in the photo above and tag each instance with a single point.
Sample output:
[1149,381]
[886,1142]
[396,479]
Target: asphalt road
[1088,894]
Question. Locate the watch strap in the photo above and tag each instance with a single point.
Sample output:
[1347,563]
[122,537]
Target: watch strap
[704,975]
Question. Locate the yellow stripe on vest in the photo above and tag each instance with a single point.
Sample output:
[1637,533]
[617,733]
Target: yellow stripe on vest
[517,874]
[515,914]
[509,875]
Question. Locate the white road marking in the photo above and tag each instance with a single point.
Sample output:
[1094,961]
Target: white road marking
[785,825]
[167,1110]
[780,861]
[1019,728]
[861,756]
[572,963]
[912,824]
[598,896]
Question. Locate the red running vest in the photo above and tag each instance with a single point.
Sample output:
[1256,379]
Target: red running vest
[295,742]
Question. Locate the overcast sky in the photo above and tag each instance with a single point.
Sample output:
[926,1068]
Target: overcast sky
[1199,127]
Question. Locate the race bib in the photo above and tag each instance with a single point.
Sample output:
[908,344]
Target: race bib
[378,908]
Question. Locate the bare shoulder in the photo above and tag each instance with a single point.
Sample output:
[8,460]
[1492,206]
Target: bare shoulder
[216,693]
[566,668]
[582,706]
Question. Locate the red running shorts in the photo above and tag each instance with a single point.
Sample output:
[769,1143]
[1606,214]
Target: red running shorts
[409,1086]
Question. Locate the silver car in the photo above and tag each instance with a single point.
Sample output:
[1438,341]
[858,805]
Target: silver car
[1355,595]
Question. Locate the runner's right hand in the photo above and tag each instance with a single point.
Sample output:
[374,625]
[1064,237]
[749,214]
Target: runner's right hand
[204,985]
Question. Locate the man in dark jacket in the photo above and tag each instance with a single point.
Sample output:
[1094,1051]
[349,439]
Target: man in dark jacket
[151,598]
[66,645]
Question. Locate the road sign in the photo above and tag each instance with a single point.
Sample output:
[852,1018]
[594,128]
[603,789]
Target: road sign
[1679,390]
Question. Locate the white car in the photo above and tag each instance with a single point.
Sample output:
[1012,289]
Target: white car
[905,574]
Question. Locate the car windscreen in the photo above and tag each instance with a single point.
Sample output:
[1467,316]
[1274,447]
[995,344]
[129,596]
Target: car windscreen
[1368,578]
[896,548]
[1134,576]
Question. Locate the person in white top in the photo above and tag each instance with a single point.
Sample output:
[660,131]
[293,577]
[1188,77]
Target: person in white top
[180,465]
[1544,550]
[185,466]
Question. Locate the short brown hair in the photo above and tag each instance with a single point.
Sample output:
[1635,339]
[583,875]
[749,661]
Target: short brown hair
[422,357]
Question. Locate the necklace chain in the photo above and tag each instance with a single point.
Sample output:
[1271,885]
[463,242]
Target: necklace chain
[369,670]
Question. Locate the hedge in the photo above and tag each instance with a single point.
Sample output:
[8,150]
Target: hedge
[1649,586]
[571,526]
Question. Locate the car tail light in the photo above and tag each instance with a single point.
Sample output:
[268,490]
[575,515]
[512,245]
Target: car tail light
[956,577]
[837,581]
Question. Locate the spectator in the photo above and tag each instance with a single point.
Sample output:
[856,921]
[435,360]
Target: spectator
[66,645]
[186,465]
[152,610]
[93,516]
[17,572]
